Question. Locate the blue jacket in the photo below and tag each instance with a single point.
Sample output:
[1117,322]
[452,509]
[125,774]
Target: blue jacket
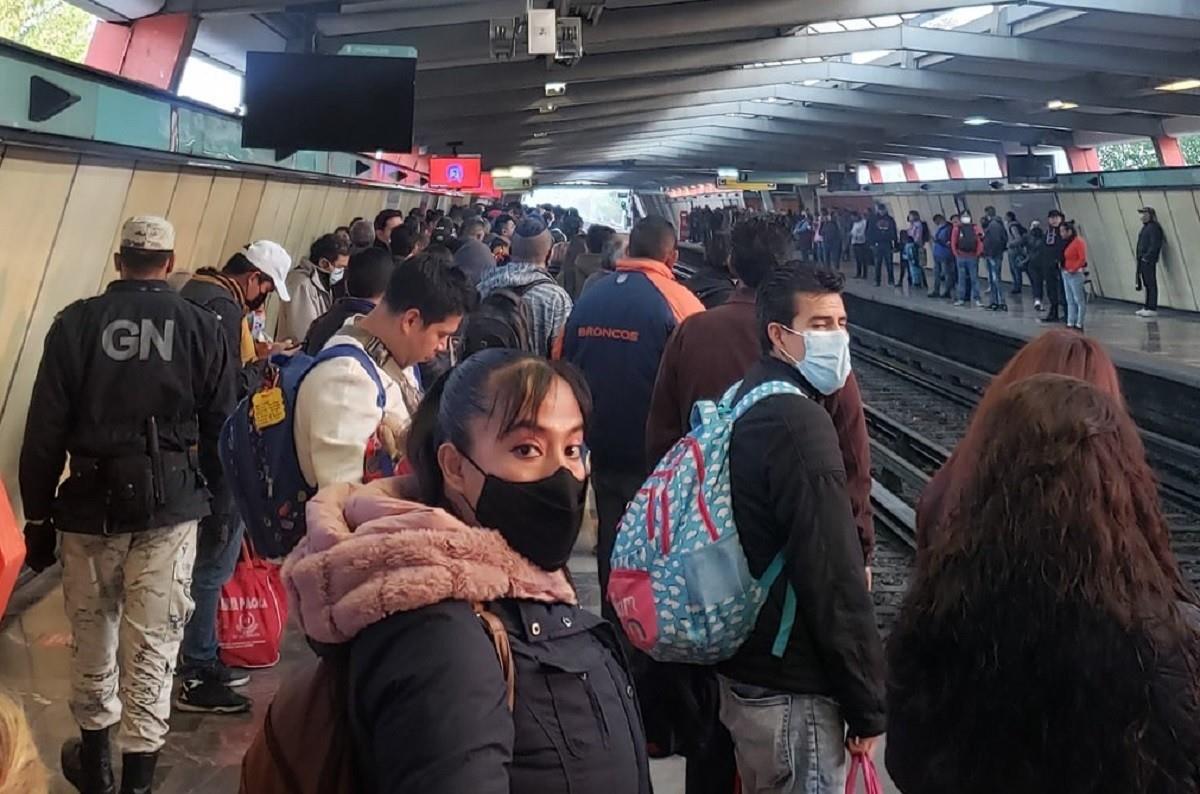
[616,335]
[941,242]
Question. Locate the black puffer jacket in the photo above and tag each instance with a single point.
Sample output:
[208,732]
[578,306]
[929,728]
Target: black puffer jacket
[427,704]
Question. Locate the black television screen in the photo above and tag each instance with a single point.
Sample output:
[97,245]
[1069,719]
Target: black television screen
[1032,169]
[328,102]
[841,180]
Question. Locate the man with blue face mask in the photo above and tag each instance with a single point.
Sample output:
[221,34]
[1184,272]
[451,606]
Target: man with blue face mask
[823,692]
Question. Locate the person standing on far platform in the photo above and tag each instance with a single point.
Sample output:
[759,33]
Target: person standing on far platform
[1075,262]
[1149,249]
[883,237]
[967,244]
[132,389]
[1052,263]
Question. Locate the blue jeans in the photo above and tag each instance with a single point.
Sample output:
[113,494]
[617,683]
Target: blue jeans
[943,276]
[968,279]
[785,743]
[214,565]
[1017,263]
[883,256]
[994,266]
[1076,298]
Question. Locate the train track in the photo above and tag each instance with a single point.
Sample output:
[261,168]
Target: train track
[918,406]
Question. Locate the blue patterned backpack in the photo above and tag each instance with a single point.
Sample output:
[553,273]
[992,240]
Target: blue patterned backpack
[680,583]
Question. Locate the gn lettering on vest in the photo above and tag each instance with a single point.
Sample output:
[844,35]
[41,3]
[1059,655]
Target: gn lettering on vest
[122,340]
[599,331]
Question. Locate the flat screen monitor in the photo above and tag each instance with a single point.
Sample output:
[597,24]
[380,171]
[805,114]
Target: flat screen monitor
[328,102]
[841,180]
[1035,169]
[454,173]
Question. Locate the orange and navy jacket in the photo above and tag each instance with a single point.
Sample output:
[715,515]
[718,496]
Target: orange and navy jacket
[616,335]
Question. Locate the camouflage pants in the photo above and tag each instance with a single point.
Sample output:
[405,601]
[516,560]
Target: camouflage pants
[127,598]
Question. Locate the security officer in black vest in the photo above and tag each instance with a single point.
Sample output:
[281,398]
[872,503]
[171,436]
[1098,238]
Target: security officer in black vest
[132,390]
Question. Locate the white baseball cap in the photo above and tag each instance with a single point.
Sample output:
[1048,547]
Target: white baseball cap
[273,262]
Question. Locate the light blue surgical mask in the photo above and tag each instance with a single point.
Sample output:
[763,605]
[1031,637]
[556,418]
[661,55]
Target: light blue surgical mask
[826,362]
[336,275]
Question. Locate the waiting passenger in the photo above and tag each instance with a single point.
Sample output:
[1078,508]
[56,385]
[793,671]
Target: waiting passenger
[882,236]
[575,273]
[366,280]
[526,274]
[1149,249]
[1018,259]
[504,226]
[612,252]
[1045,644]
[341,433]
[831,243]
[362,235]
[1056,246]
[944,267]
[616,335]
[858,246]
[310,285]
[918,232]
[788,712]
[385,222]
[1035,261]
[1074,276]
[1055,352]
[967,244]
[404,569]
[474,258]
[406,243]
[712,282]
[995,243]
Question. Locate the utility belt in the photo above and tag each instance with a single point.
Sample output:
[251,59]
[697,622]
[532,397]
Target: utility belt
[123,493]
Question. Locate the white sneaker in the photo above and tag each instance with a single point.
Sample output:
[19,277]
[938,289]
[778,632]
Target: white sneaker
[1037,306]
[1146,314]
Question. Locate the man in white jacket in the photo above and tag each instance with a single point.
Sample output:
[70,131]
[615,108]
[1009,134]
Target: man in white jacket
[310,284]
[339,427]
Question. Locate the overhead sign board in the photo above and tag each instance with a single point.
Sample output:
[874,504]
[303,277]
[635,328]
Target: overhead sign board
[733,184]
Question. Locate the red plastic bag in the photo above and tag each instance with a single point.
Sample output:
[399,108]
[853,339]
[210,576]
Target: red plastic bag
[252,613]
[869,773]
[12,550]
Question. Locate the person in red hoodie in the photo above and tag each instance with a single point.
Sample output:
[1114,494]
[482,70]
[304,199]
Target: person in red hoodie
[1074,264]
[966,243]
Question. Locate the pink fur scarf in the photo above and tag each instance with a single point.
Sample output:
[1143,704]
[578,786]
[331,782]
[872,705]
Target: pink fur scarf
[372,551]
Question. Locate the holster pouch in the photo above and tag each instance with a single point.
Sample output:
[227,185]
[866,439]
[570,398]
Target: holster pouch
[129,482]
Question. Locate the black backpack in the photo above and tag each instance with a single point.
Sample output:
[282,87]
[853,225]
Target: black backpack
[502,319]
[967,241]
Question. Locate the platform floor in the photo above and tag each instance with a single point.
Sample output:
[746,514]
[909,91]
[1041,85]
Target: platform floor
[203,752]
[1171,340]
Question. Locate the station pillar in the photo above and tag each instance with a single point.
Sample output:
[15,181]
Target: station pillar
[1082,160]
[910,171]
[954,168]
[876,174]
[151,50]
[1169,153]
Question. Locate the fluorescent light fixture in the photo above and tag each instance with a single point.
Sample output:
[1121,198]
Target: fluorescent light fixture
[810,82]
[727,173]
[856,23]
[811,60]
[827,27]
[1059,104]
[887,21]
[976,121]
[1179,85]
[540,134]
[513,172]
[556,89]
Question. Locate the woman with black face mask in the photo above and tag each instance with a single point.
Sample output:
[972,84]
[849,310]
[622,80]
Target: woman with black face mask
[472,667]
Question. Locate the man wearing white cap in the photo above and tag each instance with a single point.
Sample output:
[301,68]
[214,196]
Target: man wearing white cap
[239,288]
[133,388]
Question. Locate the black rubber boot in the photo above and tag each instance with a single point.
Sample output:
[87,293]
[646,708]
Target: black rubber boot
[137,772]
[87,763]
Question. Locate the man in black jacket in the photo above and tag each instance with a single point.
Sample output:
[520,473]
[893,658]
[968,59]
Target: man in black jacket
[805,684]
[243,285]
[133,386]
[1052,262]
[1149,249]
[883,237]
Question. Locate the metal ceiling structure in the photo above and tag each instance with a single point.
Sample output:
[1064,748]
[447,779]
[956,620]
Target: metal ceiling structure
[665,89]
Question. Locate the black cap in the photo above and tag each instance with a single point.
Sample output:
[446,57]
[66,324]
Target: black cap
[1055,213]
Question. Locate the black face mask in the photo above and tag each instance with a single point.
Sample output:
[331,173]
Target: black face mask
[540,519]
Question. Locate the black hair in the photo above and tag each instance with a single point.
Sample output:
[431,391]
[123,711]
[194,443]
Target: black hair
[368,273]
[239,265]
[597,236]
[1055,213]
[381,220]
[759,246]
[776,299]
[141,261]
[496,382]
[652,238]
[328,247]
[571,225]
[426,284]
[939,215]
[498,224]
[471,226]
[1012,216]
[404,241]
[341,229]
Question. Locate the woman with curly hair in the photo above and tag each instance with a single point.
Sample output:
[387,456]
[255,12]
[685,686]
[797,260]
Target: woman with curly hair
[1049,642]
[1059,352]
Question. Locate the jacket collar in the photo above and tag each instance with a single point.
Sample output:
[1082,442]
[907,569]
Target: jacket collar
[138,285]
[231,285]
[313,274]
[778,369]
[651,267]
[742,294]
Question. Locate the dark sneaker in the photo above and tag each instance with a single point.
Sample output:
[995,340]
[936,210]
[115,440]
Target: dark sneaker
[206,696]
[229,676]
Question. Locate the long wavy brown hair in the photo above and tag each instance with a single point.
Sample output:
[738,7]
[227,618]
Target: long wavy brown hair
[1059,352]
[1044,646]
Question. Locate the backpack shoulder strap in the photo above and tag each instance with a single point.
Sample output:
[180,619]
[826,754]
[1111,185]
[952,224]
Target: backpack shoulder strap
[494,626]
[358,354]
[761,392]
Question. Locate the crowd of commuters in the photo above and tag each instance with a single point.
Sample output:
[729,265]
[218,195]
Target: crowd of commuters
[473,375]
